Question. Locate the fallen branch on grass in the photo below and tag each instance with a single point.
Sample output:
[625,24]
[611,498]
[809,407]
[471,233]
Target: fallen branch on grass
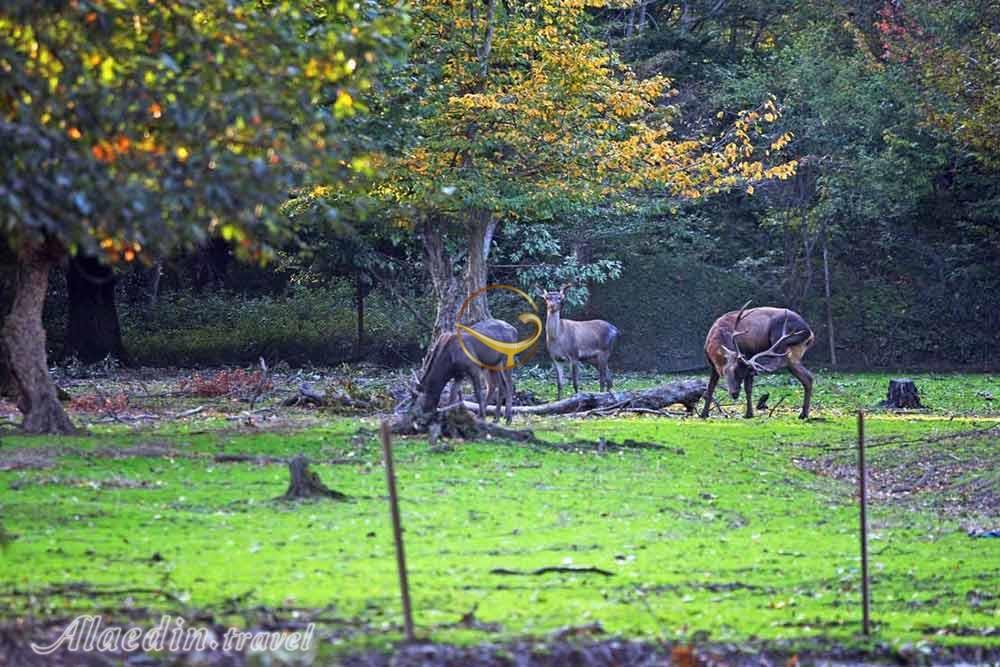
[309,395]
[553,568]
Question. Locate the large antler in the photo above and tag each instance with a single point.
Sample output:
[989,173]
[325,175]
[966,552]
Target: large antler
[757,363]
[740,315]
[736,333]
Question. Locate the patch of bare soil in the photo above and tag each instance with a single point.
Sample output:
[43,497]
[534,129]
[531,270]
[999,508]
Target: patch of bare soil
[28,458]
[114,482]
[38,458]
[956,476]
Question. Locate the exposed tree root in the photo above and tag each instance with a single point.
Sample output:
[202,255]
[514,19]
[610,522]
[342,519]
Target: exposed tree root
[456,423]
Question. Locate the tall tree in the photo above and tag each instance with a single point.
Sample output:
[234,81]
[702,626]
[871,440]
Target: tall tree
[92,328]
[133,127]
[514,113]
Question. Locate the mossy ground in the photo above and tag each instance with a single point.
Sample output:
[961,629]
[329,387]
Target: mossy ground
[721,532]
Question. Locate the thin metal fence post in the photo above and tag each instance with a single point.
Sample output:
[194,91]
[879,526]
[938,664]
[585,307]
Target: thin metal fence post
[863,502]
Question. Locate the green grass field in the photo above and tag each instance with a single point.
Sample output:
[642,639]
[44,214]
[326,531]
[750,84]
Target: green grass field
[729,530]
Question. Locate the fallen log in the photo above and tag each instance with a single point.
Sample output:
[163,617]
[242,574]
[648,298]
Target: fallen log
[684,392]
[309,395]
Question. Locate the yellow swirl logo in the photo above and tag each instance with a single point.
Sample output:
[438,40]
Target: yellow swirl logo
[509,350]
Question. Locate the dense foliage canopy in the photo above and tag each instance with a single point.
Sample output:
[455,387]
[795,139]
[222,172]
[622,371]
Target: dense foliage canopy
[136,124]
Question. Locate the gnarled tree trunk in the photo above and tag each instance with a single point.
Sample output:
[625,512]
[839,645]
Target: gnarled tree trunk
[453,283]
[8,279]
[24,337]
[92,328]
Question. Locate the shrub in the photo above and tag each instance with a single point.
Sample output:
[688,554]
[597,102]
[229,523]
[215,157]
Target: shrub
[99,403]
[225,382]
[302,326]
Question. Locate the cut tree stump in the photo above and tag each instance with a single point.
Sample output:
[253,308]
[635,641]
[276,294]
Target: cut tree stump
[306,484]
[902,395]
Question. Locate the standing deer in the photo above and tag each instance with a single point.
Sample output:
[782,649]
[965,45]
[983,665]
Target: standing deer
[573,341]
[450,362]
[742,343]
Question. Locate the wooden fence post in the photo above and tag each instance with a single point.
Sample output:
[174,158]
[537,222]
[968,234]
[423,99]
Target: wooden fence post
[397,531]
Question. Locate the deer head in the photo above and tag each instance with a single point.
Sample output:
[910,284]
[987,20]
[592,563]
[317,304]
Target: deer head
[554,299]
[738,366]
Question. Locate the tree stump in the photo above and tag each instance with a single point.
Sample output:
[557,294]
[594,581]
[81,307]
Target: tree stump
[305,483]
[902,394]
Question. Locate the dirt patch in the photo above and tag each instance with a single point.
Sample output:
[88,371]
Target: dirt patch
[151,450]
[955,476]
[115,482]
[29,458]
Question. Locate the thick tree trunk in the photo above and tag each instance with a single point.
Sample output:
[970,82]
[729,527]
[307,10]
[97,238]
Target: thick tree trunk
[453,284]
[479,237]
[92,328]
[8,389]
[444,281]
[8,281]
[212,263]
[24,337]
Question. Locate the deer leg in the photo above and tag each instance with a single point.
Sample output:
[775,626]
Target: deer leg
[574,367]
[748,388]
[477,387]
[508,382]
[494,389]
[559,379]
[803,375]
[713,380]
[501,378]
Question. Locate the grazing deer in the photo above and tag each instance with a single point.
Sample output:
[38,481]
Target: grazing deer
[742,343]
[450,362]
[573,341]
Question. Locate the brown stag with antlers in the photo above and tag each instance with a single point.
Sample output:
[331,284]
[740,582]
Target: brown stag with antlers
[743,343]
